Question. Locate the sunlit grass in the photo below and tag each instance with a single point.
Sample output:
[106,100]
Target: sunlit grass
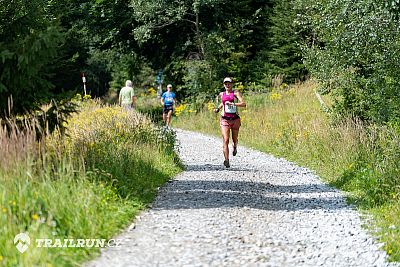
[387,217]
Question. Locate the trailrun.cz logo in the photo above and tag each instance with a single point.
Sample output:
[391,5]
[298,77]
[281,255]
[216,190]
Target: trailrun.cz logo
[22,242]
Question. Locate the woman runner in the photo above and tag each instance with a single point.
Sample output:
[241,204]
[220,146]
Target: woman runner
[229,120]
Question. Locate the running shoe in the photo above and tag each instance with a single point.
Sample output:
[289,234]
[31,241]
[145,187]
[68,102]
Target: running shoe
[234,151]
[226,163]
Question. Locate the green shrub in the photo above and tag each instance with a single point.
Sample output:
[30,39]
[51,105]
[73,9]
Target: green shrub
[353,51]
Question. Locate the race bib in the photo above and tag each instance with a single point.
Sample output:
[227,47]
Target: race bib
[169,100]
[230,108]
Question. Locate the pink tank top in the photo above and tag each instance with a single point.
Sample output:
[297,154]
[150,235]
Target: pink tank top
[229,111]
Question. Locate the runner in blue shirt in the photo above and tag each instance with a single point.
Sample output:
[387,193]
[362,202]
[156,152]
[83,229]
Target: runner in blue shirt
[168,101]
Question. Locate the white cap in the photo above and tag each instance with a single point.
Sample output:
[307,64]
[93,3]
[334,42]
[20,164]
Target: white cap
[228,79]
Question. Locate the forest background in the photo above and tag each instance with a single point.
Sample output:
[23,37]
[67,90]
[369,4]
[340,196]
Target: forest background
[350,48]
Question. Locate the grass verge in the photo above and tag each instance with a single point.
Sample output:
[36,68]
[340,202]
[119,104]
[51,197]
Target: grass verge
[86,185]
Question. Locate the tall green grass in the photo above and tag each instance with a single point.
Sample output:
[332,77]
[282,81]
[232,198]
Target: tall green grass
[151,106]
[88,184]
[362,160]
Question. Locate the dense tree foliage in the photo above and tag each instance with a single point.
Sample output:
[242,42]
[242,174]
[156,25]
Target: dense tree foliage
[352,48]
[354,52]
[285,37]
[29,42]
[45,46]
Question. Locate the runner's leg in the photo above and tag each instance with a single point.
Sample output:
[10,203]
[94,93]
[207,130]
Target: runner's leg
[169,117]
[164,117]
[235,135]
[225,136]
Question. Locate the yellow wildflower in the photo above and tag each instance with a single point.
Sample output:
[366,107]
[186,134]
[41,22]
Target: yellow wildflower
[210,106]
[275,96]
[35,217]
[240,86]
[180,109]
[87,97]
[151,91]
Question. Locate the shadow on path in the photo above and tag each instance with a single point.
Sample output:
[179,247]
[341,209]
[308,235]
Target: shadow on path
[213,167]
[200,194]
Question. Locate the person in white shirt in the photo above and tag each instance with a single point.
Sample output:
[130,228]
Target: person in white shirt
[127,98]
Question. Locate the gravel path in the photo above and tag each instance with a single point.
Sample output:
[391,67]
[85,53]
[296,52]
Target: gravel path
[263,211]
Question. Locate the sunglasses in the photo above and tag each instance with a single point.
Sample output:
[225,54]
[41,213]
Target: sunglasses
[227,82]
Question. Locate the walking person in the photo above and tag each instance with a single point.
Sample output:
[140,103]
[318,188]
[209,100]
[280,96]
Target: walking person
[168,100]
[127,98]
[229,120]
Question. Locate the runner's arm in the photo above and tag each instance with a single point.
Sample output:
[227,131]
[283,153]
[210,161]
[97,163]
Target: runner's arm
[241,102]
[219,106]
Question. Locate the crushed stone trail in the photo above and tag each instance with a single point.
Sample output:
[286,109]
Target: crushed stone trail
[262,211]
